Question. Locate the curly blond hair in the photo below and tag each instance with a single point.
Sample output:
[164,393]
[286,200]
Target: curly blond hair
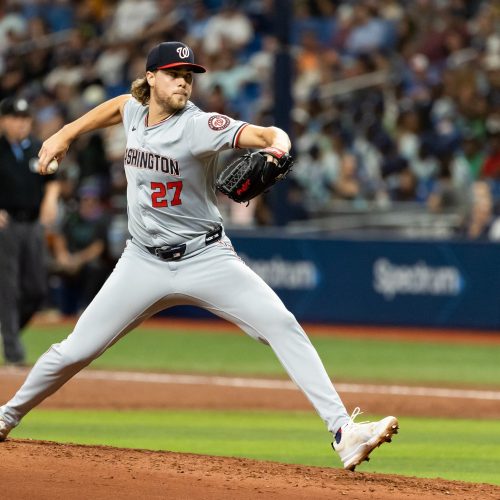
[141,90]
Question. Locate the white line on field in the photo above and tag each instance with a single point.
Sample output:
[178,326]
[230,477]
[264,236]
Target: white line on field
[253,383]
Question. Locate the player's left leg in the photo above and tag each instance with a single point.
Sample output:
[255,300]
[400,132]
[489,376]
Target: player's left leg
[219,281]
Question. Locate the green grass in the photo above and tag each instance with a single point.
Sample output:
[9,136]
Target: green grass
[424,448]
[236,354]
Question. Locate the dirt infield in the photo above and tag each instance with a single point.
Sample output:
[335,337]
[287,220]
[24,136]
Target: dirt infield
[45,470]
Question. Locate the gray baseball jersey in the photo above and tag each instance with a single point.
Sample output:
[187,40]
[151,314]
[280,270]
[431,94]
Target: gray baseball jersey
[171,169]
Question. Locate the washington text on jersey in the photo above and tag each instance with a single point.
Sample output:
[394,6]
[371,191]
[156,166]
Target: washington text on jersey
[152,161]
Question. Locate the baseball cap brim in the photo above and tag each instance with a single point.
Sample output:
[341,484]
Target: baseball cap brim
[14,107]
[24,114]
[195,68]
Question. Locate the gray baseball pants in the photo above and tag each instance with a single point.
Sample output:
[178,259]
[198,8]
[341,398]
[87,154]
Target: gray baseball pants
[213,278]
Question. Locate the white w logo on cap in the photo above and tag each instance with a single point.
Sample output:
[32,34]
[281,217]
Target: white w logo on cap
[183,52]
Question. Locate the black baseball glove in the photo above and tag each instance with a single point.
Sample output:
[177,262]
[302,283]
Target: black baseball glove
[253,173]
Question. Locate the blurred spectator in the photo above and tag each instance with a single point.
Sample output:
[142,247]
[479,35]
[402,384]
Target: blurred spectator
[230,78]
[197,22]
[12,27]
[229,29]
[494,233]
[447,194]
[481,223]
[368,33]
[369,170]
[420,78]
[315,173]
[470,157]
[110,68]
[59,14]
[424,166]
[314,17]
[491,165]
[131,18]
[93,163]
[404,186]
[67,71]
[81,260]
[48,115]
[347,184]
[308,63]
[414,84]
[408,134]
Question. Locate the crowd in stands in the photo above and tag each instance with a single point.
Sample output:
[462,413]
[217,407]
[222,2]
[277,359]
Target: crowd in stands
[395,101]
[427,133]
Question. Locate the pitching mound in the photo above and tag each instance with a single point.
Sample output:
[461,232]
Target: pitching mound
[46,470]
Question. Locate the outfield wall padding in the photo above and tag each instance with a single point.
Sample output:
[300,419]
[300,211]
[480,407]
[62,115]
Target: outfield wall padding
[389,282]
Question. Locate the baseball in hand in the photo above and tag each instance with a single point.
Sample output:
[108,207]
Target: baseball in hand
[52,166]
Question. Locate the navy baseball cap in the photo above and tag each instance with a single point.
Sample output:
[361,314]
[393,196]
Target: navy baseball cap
[14,106]
[172,55]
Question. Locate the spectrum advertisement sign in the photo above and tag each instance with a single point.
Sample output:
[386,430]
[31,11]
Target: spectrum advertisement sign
[442,284]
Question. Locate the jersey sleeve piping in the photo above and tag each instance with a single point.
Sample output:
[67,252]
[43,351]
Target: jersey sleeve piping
[236,137]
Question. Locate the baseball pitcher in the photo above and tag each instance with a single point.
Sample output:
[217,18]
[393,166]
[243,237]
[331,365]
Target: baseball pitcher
[178,252]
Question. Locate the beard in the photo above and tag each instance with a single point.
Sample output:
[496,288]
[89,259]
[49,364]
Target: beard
[176,102]
[170,103]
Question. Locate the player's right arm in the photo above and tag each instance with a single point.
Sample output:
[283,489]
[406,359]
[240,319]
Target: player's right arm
[105,115]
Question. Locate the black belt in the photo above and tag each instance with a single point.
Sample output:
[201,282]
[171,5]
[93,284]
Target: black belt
[175,252]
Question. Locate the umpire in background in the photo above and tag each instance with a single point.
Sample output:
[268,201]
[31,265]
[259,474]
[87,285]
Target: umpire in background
[27,202]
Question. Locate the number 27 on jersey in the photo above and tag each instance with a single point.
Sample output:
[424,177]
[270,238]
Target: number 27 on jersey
[164,194]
